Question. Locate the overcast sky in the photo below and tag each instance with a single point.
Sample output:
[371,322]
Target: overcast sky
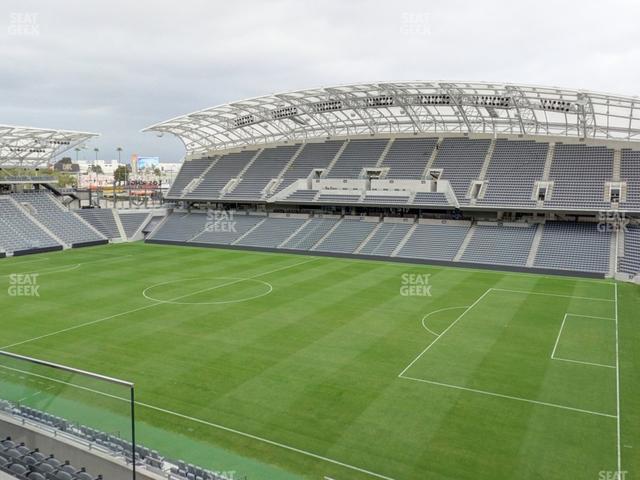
[114,67]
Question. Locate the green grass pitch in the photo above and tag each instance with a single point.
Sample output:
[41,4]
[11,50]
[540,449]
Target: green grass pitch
[283,366]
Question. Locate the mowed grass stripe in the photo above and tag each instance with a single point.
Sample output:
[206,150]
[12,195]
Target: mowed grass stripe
[505,330]
[291,369]
[134,310]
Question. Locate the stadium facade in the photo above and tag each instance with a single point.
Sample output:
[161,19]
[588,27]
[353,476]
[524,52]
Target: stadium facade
[503,175]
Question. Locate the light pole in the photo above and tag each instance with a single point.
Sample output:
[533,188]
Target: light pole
[96,150]
[115,201]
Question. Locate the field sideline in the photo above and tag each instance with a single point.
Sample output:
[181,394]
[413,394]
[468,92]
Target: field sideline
[284,366]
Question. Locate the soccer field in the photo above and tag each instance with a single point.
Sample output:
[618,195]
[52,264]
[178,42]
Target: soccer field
[283,366]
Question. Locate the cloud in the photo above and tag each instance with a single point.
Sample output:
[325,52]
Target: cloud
[118,66]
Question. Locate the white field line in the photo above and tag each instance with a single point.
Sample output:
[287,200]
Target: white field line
[209,424]
[434,312]
[591,316]
[62,382]
[564,319]
[47,271]
[458,387]
[510,397]
[235,280]
[555,347]
[265,440]
[24,399]
[443,332]
[618,384]
[11,264]
[63,268]
[583,363]
[553,295]
[144,307]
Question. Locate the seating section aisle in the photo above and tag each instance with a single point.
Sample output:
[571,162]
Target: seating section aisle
[313,155]
[434,241]
[500,245]
[216,178]
[578,247]
[514,168]
[18,232]
[265,167]
[408,157]
[347,236]
[630,172]
[63,223]
[180,227]
[132,221]
[190,170]
[225,231]
[357,155]
[102,219]
[272,232]
[461,161]
[386,239]
[310,234]
[630,262]
[579,173]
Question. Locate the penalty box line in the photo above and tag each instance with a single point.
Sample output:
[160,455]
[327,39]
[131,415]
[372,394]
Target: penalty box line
[145,307]
[569,360]
[494,394]
[478,301]
[510,397]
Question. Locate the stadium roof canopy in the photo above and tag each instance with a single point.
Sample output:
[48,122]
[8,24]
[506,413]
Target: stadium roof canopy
[408,107]
[30,147]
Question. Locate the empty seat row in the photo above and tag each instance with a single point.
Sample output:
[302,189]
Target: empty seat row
[578,172]
[499,245]
[18,232]
[630,260]
[574,246]
[386,239]
[346,237]
[267,166]
[357,155]
[102,219]
[438,241]
[63,223]
[514,168]
[271,233]
[132,221]
[562,245]
[27,463]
